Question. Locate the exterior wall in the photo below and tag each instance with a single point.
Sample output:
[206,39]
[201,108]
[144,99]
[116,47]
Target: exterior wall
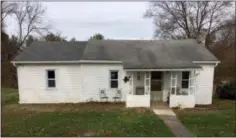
[32,84]
[138,83]
[204,88]
[74,83]
[184,101]
[81,83]
[97,76]
[204,80]
[138,101]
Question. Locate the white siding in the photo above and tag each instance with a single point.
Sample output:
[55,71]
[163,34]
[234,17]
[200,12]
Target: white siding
[81,83]
[32,82]
[184,101]
[204,84]
[74,83]
[138,100]
[204,81]
[138,83]
[97,76]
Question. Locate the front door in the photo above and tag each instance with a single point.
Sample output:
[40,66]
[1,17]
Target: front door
[156,85]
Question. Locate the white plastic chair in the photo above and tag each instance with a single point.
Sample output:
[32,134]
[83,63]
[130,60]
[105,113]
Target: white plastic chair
[103,95]
[118,95]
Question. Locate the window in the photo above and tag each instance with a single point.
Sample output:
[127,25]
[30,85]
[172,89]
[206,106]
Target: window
[139,91]
[51,79]
[114,79]
[185,79]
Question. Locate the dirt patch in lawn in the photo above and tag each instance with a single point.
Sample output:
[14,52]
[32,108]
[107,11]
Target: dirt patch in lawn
[210,106]
[217,106]
[66,107]
[92,120]
[142,110]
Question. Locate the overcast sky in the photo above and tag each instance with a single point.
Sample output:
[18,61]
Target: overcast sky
[115,20]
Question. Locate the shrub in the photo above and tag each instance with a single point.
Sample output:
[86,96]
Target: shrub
[226,90]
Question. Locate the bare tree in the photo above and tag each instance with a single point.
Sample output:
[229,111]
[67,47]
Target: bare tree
[182,19]
[29,16]
[226,35]
[7,8]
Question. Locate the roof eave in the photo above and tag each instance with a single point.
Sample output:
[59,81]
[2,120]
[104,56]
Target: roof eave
[58,62]
[209,61]
[166,69]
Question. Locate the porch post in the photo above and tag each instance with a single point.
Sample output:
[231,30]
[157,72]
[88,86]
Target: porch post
[131,83]
[173,83]
[192,82]
[132,89]
[147,82]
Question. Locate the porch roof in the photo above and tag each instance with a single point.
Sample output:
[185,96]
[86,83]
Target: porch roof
[163,66]
[164,69]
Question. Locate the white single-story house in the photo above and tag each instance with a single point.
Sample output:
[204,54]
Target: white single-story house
[136,72]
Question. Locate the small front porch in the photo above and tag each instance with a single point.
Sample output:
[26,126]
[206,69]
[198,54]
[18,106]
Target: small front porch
[175,88]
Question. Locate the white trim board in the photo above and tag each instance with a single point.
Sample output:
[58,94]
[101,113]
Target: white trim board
[206,61]
[92,61]
[99,61]
[75,61]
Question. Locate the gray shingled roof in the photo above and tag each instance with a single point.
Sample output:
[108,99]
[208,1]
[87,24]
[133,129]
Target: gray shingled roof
[135,54]
[149,53]
[52,51]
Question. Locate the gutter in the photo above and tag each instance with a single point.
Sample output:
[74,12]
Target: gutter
[57,62]
[99,61]
[206,62]
[180,69]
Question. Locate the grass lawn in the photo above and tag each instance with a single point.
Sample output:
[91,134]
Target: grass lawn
[8,96]
[91,119]
[218,120]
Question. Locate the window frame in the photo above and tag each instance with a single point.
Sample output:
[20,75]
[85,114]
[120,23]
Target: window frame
[47,79]
[110,79]
[185,79]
